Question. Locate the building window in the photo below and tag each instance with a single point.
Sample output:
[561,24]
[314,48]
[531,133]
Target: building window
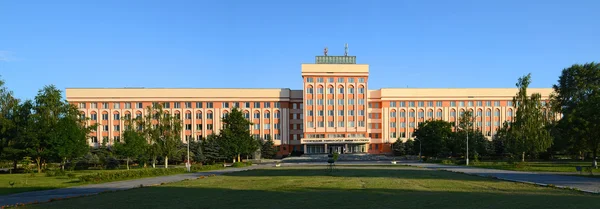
[361,101]
[509,103]
[461,103]
[402,114]
[393,114]
[392,124]
[438,104]
[361,112]
[209,126]
[497,103]
[247,104]
[267,115]
[411,104]
[310,80]
[177,104]
[402,104]
[256,115]
[209,105]
[478,103]
[116,116]
[82,105]
[311,124]
[105,105]
[167,105]
[225,104]
[94,105]
[209,115]
[105,116]
[470,103]
[430,114]
[421,104]
[361,90]
[309,90]
[199,115]
[198,104]
[340,80]
[361,123]
[351,102]
[267,105]
[341,102]
[341,123]
[330,80]
[429,104]
[340,90]
[350,90]
[321,124]
[188,126]
[452,103]
[392,104]
[198,127]
[94,116]
[439,114]
[188,115]
[350,80]
[319,80]
[105,128]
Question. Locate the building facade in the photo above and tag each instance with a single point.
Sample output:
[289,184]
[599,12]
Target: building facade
[334,111]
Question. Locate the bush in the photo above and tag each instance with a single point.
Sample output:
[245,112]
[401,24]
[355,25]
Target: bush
[238,164]
[336,156]
[53,173]
[448,162]
[112,163]
[296,153]
[71,175]
[119,175]
[248,163]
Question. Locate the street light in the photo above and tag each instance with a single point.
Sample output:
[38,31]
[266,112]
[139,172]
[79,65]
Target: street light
[187,164]
[419,148]
[467,156]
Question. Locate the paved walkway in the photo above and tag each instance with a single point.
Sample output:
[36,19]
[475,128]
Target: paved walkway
[585,184]
[46,195]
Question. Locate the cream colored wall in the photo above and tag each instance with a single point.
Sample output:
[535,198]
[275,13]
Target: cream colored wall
[181,94]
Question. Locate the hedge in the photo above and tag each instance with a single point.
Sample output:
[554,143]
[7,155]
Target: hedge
[141,173]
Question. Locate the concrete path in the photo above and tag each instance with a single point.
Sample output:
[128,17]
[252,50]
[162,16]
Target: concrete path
[585,184]
[46,195]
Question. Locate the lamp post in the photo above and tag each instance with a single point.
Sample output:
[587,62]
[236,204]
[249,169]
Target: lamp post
[419,148]
[187,164]
[467,155]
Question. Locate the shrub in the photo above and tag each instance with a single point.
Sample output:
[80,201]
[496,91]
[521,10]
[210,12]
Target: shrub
[336,156]
[118,175]
[53,173]
[238,164]
[112,163]
[521,165]
[71,175]
[448,162]
[248,163]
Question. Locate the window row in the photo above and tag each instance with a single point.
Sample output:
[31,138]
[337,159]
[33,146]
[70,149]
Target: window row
[452,103]
[340,90]
[331,80]
[412,124]
[341,102]
[339,112]
[139,105]
[321,124]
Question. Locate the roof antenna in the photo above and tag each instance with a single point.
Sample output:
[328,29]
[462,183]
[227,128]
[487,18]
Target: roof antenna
[346,50]
[325,51]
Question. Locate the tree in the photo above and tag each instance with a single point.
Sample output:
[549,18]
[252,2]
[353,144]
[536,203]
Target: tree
[211,149]
[577,98]
[433,135]
[267,149]
[399,148]
[48,108]
[196,151]
[528,130]
[72,133]
[162,130]
[235,138]
[9,126]
[409,147]
[134,144]
[478,144]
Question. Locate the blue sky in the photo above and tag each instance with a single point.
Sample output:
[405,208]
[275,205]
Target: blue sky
[424,44]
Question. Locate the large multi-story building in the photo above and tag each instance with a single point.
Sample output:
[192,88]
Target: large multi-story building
[335,110]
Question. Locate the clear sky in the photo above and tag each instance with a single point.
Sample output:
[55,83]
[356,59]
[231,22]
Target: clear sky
[261,44]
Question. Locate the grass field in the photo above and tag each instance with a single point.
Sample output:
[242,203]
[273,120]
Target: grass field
[348,187]
[566,167]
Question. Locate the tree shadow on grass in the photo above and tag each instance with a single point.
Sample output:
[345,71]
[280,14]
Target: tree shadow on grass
[405,172]
[315,198]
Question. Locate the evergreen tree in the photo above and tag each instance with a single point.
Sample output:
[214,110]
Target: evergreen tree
[268,150]
[235,138]
[211,149]
[398,148]
[134,144]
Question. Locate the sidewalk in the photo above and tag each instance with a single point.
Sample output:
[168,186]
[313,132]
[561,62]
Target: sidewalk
[46,195]
[585,184]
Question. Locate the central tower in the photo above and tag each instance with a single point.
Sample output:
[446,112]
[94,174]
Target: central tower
[335,104]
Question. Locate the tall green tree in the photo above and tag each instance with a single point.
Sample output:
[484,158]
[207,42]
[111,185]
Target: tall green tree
[134,144]
[235,138]
[528,129]
[577,98]
[478,144]
[163,130]
[72,133]
[433,135]
[10,126]
[48,108]
[212,150]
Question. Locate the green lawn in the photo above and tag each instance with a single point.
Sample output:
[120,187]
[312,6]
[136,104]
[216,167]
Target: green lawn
[567,167]
[348,187]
